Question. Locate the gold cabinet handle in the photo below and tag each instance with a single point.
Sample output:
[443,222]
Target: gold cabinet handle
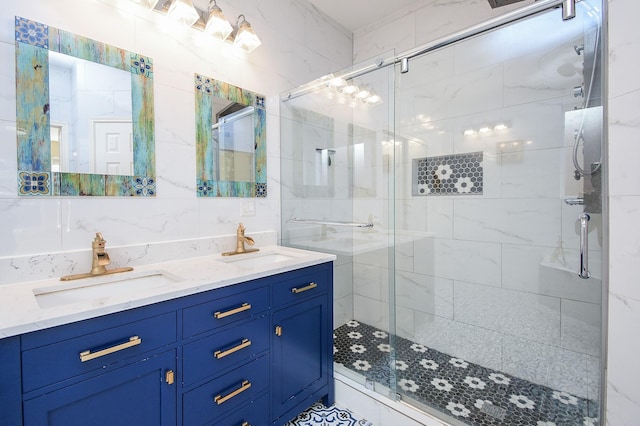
[88,355]
[278,331]
[221,354]
[169,377]
[244,307]
[311,286]
[246,424]
[221,399]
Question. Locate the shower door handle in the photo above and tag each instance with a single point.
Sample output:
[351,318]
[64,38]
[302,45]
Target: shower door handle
[584,245]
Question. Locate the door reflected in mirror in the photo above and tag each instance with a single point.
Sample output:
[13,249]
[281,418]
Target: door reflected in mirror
[233,140]
[90,112]
[84,114]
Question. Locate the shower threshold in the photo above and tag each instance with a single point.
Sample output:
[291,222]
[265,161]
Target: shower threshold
[466,391]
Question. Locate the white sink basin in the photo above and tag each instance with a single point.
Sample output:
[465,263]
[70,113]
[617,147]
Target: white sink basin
[101,287]
[259,258]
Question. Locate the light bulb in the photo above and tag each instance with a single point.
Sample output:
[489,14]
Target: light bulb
[183,12]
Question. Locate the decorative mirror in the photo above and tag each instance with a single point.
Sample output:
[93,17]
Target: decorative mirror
[231,150]
[84,115]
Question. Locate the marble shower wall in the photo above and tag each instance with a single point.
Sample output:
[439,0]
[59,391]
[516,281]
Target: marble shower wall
[489,278]
[623,393]
[299,44]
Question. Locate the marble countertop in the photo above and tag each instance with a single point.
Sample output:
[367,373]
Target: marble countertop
[22,312]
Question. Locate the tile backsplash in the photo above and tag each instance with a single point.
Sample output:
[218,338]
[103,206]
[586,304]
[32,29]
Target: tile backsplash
[52,265]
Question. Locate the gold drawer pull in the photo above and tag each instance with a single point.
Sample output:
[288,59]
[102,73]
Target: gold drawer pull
[221,399]
[311,286]
[88,356]
[244,307]
[221,354]
[246,424]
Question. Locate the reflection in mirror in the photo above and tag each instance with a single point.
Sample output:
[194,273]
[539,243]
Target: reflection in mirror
[90,112]
[363,158]
[84,114]
[315,158]
[233,141]
[230,140]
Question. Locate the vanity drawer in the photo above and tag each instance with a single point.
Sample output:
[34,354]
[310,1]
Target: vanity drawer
[220,312]
[302,286]
[254,414]
[68,358]
[235,389]
[214,354]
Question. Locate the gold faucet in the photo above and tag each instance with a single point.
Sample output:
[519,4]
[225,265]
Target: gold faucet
[100,257]
[241,239]
[99,262]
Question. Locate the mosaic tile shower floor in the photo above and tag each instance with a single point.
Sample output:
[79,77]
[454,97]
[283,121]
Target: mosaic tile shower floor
[319,415]
[469,392]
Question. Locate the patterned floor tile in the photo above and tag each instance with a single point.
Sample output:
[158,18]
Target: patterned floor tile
[319,415]
[469,392]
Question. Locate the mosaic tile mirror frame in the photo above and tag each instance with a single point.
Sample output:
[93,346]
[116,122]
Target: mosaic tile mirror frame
[34,41]
[209,182]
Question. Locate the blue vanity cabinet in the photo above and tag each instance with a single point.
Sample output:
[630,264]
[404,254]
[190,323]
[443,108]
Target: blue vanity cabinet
[254,353]
[137,394]
[302,349]
[225,356]
[114,369]
[10,386]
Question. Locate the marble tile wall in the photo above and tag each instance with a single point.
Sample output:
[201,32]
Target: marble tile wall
[312,45]
[623,394]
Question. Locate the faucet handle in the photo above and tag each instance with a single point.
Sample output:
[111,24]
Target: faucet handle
[98,241]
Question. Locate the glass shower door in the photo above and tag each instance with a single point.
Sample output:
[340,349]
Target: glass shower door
[498,204]
[337,172]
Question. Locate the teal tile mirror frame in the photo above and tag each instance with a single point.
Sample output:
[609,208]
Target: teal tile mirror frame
[34,41]
[208,92]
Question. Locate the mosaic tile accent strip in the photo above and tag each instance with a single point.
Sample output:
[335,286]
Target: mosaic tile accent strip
[144,186]
[261,190]
[141,65]
[468,392]
[319,415]
[32,32]
[455,174]
[33,183]
[205,188]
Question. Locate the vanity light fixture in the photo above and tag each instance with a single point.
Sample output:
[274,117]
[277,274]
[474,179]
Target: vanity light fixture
[343,91]
[487,130]
[183,12]
[211,21]
[217,25]
[362,94]
[244,37]
[373,99]
[337,82]
[350,89]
